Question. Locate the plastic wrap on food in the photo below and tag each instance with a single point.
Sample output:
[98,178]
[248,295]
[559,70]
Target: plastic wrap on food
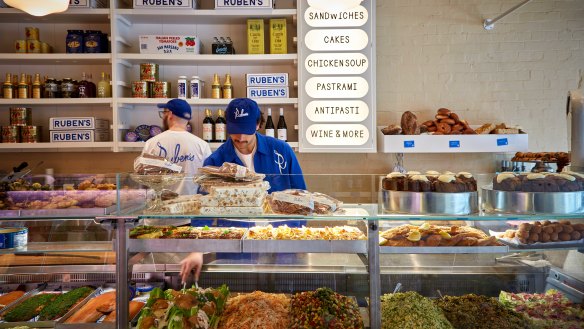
[183,208]
[240,200]
[148,164]
[291,202]
[324,204]
[233,171]
[207,183]
[242,211]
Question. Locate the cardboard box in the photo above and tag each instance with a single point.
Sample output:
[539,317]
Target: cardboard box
[170,44]
[166,4]
[255,36]
[278,36]
[58,136]
[266,79]
[267,92]
[244,4]
[78,123]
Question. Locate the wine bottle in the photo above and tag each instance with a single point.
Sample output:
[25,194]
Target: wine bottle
[220,130]
[103,89]
[83,87]
[208,127]
[270,124]
[282,129]
[91,86]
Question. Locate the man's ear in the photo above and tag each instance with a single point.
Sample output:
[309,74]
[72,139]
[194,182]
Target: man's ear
[258,127]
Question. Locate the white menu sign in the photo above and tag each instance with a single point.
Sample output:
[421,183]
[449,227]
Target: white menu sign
[337,77]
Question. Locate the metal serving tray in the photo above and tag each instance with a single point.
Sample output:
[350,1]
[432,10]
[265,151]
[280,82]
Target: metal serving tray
[429,203]
[34,324]
[532,202]
[304,246]
[444,250]
[184,245]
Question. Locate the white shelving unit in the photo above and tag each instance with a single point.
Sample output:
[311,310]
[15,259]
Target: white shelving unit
[230,60]
[206,101]
[224,16]
[55,59]
[138,146]
[37,147]
[56,101]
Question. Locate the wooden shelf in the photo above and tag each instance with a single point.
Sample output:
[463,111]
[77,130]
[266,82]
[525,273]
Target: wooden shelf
[219,60]
[195,16]
[71,16]
[31,147]
[56,101]
[54,59]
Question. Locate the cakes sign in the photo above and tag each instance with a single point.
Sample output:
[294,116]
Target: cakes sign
[337,80]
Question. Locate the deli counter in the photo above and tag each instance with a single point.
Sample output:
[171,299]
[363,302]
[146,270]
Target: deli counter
[364,242]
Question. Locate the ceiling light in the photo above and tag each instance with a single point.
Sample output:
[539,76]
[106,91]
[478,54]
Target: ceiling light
[39,7]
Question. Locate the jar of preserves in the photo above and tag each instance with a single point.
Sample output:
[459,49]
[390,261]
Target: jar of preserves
[67,88]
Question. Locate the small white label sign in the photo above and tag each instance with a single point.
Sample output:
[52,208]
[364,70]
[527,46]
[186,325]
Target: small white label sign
[337,134]
[337,87]
[336,63]
[357,16]
[336,40]
[337,111]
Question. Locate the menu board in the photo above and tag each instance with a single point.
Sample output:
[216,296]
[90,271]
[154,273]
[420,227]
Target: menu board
[336,89]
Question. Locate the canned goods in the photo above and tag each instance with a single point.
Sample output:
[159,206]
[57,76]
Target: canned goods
[30,134]
[11,134]
[13,237]
[33,46]
[149,72]
[32,33]
[46,48]
[161,89]
[20,46]
[20,116]
[140,89]
[74,42]
[67,88]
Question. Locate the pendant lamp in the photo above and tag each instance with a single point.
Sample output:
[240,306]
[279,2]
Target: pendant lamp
[334,6]
[39,7]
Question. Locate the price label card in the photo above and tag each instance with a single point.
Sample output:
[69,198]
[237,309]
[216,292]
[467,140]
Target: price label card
[454,144]
[409,144]
[502,141]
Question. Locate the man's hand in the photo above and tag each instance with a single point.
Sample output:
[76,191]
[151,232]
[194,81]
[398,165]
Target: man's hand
[194,261]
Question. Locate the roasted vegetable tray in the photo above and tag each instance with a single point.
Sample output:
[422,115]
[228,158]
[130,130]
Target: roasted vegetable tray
[303,246]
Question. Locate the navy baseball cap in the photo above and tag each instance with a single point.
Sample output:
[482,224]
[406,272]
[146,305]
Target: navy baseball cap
[178,107]
[242,116]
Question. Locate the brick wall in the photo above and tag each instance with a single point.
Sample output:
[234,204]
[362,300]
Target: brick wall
[435,53]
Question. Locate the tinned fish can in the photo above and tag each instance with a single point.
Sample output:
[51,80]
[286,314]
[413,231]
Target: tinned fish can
[20,116]
[149,72]
[20,46]
[13,237]
[33,46]
[32,33]
[11,134]
[140,89]
[30,134]
[161,89]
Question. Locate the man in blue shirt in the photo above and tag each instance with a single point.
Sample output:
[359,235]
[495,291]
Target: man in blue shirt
[259,153]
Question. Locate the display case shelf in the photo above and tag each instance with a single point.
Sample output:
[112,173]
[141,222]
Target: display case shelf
[220,60]
[72,15]
[34,248]
[54,59]
[226,16]
[206,101]
[56,101]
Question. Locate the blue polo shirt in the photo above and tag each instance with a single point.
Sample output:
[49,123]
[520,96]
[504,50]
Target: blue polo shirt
[275,159]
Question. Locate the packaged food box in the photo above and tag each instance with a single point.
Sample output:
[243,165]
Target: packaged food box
[166,4]
[267,92]
[278,36]
[255,36]
[170,44]
[79,136]
[78,123]
[266,79]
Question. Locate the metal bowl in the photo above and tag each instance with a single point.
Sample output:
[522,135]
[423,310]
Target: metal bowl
[532,202]
[429,203]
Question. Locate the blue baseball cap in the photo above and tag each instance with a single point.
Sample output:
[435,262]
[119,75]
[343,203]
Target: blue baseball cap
[178,107]
[242,116]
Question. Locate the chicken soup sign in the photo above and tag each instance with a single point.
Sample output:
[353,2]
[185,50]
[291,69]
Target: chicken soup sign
[337,77]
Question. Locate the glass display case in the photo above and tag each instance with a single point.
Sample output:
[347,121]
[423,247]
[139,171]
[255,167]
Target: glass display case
[364,249]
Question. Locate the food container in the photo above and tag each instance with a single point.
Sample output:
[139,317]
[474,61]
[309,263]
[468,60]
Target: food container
[140,89]
[32,33]
[13,237]
[20,46]
[46,48]
[532,202]
[149,72]
[33,46]
[170,44]
[92,40]
[161,89]
[11,134]
[429,203]
[30,134]
[74,42]
[20,116]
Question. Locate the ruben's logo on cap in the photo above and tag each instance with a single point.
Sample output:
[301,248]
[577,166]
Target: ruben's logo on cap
[240,113]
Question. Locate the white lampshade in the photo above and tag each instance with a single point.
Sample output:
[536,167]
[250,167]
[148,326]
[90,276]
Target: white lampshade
[333,6]
[39,7]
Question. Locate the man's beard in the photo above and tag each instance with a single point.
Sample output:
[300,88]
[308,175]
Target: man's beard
[165,124]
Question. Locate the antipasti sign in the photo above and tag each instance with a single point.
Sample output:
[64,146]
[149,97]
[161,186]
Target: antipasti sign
[337,78]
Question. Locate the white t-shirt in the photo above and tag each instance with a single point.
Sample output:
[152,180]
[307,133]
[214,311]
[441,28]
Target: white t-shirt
[184,149]
[247,159]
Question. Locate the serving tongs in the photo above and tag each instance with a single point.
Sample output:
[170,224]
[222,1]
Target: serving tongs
[39,288]
[18,172]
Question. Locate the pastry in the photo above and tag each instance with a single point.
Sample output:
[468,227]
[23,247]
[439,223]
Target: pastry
[485,129]
[409,124]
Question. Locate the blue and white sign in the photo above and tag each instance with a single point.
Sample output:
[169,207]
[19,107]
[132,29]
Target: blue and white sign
[79,136]
[79,3]
[243,4]
[267,92]
[166,4]
[266,79]
[77,123]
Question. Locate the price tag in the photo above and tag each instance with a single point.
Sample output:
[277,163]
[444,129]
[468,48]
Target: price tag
[454,144]
[409,144]
[502,141]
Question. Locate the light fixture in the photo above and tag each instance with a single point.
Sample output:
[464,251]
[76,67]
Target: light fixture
[39,7]
[334,6]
